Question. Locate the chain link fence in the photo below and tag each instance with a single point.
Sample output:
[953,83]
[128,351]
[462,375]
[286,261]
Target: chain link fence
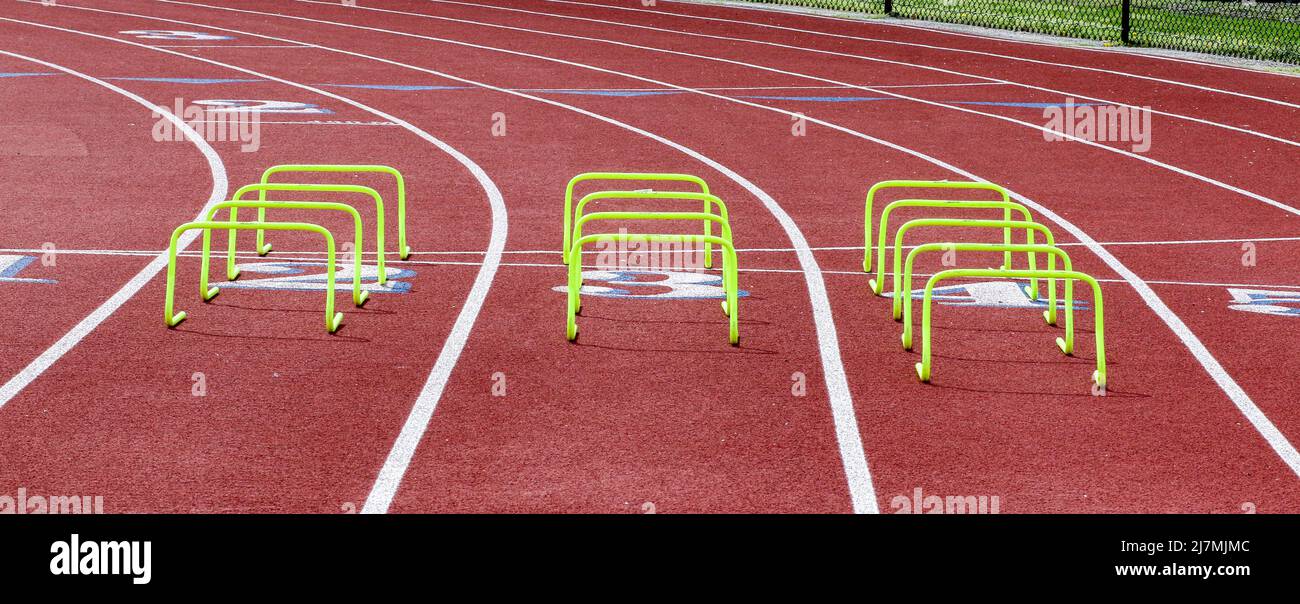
[1257,29]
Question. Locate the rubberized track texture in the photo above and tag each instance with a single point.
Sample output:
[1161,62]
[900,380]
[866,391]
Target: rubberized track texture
[454,388]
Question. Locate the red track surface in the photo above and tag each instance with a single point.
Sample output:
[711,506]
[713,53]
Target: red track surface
[651,405]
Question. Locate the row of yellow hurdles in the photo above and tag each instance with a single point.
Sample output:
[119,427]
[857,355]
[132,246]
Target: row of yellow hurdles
[333,320]
[577,234]
[901,293]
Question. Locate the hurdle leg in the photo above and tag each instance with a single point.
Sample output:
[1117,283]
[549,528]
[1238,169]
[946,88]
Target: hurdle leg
[207,294]
[907,313]
[333,320]
[404,250]
[897,307]
[379,243]
[1099,378]
[1033,266]
[923,368]
[1067,344]
[575,284]
[708,230]
[1006,239]
[359,297]
[263,248]
[730,269]
[169,304]
[232,273]
[1050,314]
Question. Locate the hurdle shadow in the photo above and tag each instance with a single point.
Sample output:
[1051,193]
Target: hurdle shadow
[741,349]
[722,322]
[337,336]
[347,309]
[1081,392]
[719,324]
[1062,360]
[1046,329]
[334,337]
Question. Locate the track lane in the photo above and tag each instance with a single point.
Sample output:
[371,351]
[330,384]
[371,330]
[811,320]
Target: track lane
[1212,220]
[1134,220]
[1227,414]
[84,318]
[916,34]
[724,65]
[738,36]
[817,460]
[268,452]
[48,148]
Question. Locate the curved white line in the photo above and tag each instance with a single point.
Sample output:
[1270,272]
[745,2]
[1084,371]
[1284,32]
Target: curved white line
[1264,426]
[935,27]
[412,431]
[986,79]
[1047,131]
[848,438]
[60,347]
[959,50]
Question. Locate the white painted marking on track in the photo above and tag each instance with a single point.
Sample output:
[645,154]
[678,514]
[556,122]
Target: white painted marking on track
[1265,427]
[987,80]
[950,49]
[857,474]
[225,46]
[399,457]
[853,248]
[315,256]
[1230,387]
[60,347]
[1172,168]
[749,88]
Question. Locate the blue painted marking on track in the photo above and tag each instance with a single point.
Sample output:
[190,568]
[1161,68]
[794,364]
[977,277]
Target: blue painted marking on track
[291,276]
[861,99]
[1029,105]
[822,99]
[615,93]
[186,80]
[9,272]
[604,93]
[396,87]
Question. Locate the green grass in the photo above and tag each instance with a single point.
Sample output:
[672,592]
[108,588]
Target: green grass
[1261,31]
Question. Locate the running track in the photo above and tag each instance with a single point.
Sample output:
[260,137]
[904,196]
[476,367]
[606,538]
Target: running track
[650,410]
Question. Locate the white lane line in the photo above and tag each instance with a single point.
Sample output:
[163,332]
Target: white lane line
[60,347]
[989,80]
[408,438]
[1142,158]
[747,88]
[851,248]
[1264,426]
[962,50]
[312,256]
[938,27]
[857,474]
[224,46]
